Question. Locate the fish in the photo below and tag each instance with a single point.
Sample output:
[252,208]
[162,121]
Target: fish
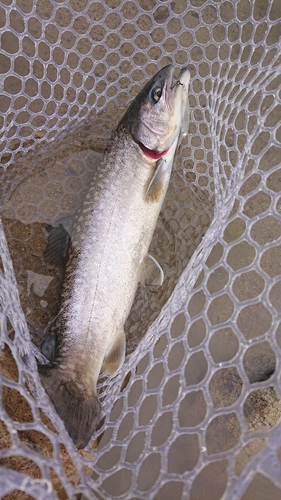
[108,254]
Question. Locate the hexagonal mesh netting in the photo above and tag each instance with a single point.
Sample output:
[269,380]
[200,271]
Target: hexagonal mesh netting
[195,411]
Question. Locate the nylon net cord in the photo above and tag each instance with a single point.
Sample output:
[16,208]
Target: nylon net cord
[195,412]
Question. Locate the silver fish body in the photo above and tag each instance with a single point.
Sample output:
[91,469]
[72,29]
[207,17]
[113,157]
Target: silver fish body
[109,251]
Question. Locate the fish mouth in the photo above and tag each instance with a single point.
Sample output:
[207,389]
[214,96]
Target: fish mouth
[176,97]
[184,77]
[172,90]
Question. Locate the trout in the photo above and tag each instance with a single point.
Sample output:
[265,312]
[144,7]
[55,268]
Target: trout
[109,250]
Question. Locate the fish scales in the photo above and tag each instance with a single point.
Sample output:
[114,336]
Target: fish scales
[106,251]
[109,251]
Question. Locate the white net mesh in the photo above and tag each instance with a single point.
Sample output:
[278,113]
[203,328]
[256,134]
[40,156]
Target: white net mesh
[195,411]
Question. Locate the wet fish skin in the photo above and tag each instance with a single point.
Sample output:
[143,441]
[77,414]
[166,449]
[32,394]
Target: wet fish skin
[109,251]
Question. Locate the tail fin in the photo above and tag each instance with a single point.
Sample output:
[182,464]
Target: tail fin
[78,408]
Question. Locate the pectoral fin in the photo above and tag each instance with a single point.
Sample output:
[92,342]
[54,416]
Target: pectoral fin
[115,359]
[156,185]
[151,272]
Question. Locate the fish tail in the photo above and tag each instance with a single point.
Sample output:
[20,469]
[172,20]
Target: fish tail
[78,408]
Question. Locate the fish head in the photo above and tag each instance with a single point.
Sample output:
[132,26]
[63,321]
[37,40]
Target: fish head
[160,112]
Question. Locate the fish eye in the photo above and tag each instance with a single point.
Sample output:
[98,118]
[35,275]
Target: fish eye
[156,94]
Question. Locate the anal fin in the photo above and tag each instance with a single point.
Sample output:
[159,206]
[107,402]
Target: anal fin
[115,358]
[151,272]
